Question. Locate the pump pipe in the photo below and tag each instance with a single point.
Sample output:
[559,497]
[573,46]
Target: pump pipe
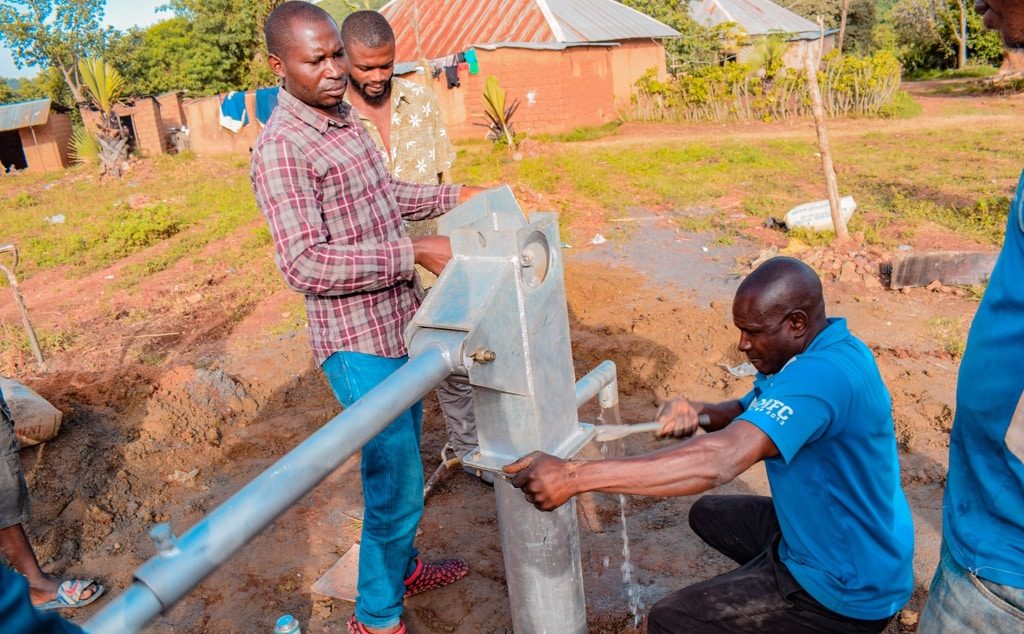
[602,382]
[182,563]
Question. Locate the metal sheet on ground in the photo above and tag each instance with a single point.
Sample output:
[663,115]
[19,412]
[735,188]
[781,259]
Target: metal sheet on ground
[340,579]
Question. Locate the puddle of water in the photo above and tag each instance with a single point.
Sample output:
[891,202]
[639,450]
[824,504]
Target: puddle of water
[689,262]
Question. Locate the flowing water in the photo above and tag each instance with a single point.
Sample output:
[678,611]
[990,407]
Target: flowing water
[636,603]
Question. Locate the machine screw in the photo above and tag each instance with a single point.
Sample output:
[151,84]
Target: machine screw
[483,355]
[164,540]
[526,259]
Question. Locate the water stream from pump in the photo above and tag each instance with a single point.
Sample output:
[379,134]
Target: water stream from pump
[616,449]
[636,602]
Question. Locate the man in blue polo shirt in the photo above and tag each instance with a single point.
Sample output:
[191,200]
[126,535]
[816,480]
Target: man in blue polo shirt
[18,616]
[979,583]
[831,550]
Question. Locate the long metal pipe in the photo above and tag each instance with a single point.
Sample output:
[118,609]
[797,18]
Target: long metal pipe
[184,563]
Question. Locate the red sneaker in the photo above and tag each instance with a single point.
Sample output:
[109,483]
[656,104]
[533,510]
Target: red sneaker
[436,574]
[355,627]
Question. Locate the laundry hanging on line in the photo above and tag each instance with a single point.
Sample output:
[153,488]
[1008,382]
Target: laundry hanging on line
[454,64]
[266,101]
[233,115]
[472,61]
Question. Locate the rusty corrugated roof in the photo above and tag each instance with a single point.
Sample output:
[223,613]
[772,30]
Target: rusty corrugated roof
[450,26]
[15,116]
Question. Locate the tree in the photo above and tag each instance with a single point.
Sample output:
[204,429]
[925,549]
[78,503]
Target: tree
[926,35]
[167,56]
[860,19]
[49,84]
[6,91]
[339,9]
[955,16]
[844,14]
[53,34]
[235,29]
[104,85]
[696,45]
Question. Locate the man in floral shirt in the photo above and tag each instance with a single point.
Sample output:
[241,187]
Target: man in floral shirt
[405,123]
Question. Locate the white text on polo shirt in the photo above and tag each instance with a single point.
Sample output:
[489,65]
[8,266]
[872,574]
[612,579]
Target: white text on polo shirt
[773,408]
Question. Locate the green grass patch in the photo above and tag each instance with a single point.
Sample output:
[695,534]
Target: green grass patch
[985,221]
[50,341]
[182,207]
[538,175]
[902,106]
[576,135]
[910,176]
[968,72]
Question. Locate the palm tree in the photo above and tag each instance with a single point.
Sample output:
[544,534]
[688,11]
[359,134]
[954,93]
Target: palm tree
[104,85]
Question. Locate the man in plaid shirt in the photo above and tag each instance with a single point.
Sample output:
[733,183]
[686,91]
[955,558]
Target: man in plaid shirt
[335,215]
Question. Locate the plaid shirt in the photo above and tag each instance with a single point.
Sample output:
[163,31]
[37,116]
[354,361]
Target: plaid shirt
[335,216]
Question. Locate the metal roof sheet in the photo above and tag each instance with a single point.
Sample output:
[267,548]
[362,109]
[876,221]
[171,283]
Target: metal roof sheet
[15,116]
[756,17]
[450,26]
[604,21]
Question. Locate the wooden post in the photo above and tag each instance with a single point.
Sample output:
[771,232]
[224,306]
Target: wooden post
[811,65]
[427,80]
[20,301]
[842,25]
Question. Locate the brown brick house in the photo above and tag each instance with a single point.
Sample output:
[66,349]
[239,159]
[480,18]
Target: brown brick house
[571,63]
[34,135]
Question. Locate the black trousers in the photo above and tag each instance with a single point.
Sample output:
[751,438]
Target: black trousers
[759,596]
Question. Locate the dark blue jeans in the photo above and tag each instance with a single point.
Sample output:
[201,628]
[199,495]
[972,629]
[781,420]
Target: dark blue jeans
[392,476]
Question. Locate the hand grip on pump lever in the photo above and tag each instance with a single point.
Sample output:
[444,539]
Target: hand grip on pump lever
[606,433]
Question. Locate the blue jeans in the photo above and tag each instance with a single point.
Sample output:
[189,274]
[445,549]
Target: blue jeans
[392,477]
[960,601]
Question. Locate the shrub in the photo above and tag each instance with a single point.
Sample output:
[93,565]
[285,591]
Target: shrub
[850,84]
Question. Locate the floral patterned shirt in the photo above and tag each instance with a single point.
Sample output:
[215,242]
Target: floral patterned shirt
[420,148]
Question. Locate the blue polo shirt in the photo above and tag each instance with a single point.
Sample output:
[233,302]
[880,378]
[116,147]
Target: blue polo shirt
[17,615]
[983,509]
[847,533]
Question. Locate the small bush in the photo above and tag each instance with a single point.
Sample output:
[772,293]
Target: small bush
[24,199]
[850,84]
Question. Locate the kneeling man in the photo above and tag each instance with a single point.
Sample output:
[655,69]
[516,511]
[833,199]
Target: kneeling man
[831,550]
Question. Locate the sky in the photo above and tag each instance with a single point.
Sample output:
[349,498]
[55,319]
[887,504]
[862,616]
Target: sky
[120,14]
